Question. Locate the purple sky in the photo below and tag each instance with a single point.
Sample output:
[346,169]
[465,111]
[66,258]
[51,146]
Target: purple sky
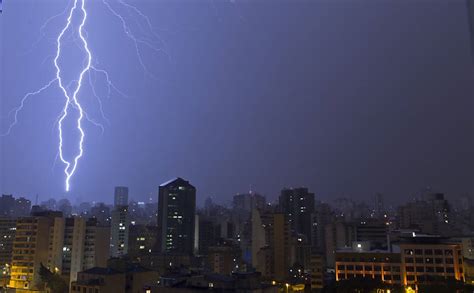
[345,97]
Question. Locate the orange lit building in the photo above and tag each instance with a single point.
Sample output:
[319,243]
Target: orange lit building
[383,266]
[417,260]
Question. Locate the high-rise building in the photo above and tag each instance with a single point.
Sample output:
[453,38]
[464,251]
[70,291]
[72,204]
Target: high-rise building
[7,235]
[121,196]
[85,246]
[35,245]
[298,206]
[271,244]
[176,216]
[119,230]
[63,245]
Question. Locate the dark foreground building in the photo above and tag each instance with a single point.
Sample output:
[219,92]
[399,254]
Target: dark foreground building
[176,216]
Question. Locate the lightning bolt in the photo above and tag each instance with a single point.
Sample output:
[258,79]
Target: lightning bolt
[88,72]
[72,100]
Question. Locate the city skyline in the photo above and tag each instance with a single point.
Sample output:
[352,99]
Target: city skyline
[237,146]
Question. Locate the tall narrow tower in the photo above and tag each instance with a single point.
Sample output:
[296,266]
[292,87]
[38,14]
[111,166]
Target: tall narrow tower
[176,216]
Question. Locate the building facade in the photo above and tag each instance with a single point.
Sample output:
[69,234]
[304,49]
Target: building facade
[298,206]
[176,216]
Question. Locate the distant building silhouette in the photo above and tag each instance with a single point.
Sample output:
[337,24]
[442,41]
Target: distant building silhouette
[120,223]
[121,196]
[298,206]
[176,216]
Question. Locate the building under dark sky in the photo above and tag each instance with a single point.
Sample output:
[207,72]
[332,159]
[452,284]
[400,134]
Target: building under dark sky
[176,216]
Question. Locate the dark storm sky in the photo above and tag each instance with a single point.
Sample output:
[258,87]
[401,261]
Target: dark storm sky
[346,97]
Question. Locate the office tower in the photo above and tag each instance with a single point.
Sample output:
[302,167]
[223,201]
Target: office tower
[176,216]
[298,206]
[121,196]
[120,231]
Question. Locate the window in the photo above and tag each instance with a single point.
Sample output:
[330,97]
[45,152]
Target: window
[409,259]
[440,270]
[409,251]
[428,251]
[410,269]
[438,260]
[411,278]
[418,251]
[429,269]
[377,268]
[419,260]
[449,260]
[340,267]
[450,270]
[420,269]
